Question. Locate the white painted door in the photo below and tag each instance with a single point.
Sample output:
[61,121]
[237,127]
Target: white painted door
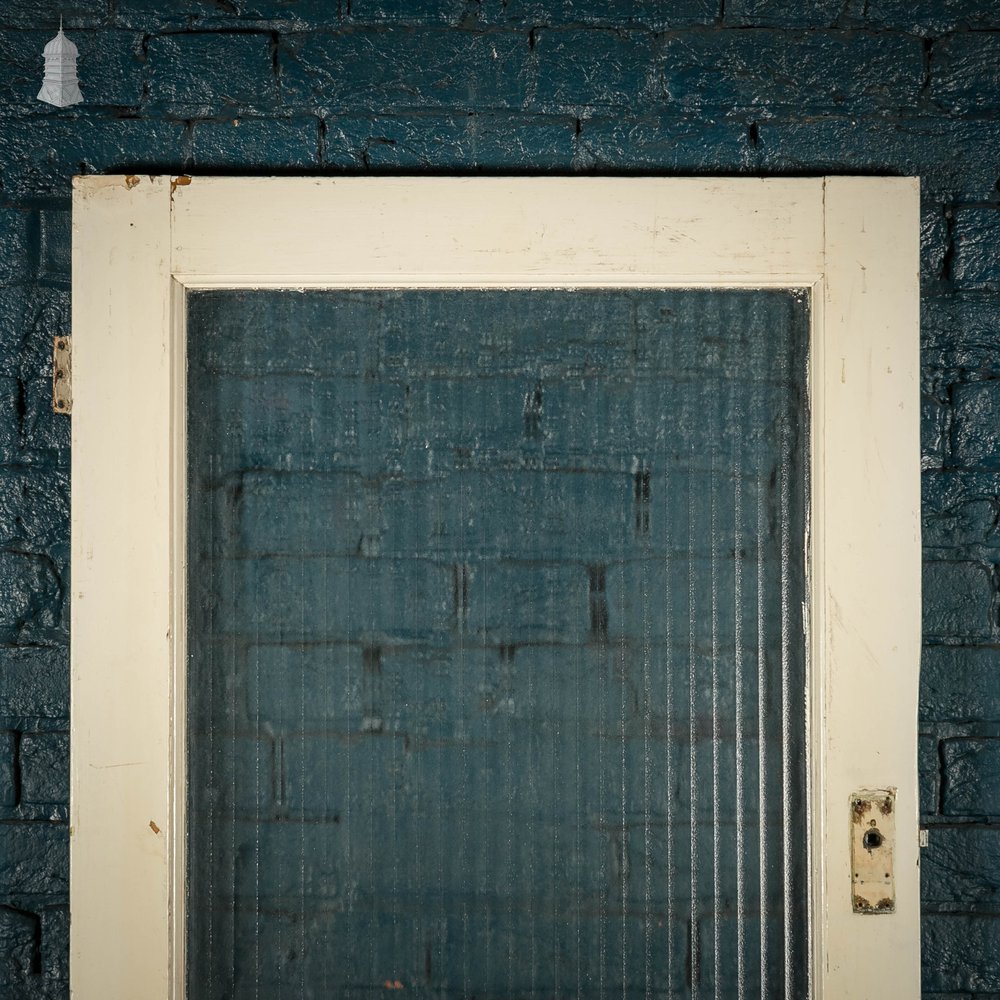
[142,243]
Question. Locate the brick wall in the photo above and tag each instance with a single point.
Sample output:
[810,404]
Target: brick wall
[480,591]
[685,86]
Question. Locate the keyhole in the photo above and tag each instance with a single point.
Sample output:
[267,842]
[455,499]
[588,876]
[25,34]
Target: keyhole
[871,840]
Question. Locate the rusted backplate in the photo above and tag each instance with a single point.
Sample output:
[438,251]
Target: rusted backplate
[873,837]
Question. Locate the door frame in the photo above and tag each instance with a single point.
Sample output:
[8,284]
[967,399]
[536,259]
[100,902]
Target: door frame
[140,242]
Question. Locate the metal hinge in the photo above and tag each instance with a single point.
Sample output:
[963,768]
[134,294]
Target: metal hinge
[62,374]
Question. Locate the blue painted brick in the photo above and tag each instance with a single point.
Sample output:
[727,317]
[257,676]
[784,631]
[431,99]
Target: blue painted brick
[8,766]
[730,929]
[965,71]
[493,141]
[203,74]
[960,512]
[975,439]
[402,519]
[46,315]
[34,682]
[340,511]
[778,14]
[18,931]
[959,684]
[954,158]
[55,244]
[934,243]
[971,777]
[958,600]
[40,14]
[30,597]
[652,14]
[11,407]
[55,946]
[404,716]
[346,342]
[932,17]
[45,768]
[393,70]
[510,941]
[589,70]
[961,952]
[527,611]
[281,674]
[42,161]
[14,304]
[756,70]
[927,766]
[961,866]
[300,15]
[33,860]
[18,239]
[414,12]
[665,143]
[261,143]
[276,409]
[34,504]
[587,335]
[45,433]
[961,332]
[977,248]
[933,432]
[415,596]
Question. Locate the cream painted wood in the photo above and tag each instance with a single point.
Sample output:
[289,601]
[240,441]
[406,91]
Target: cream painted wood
[140,242]
[122,555]
[866,566]
[177,862]
[492,231]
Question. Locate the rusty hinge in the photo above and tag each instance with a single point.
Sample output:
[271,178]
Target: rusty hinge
[62,374]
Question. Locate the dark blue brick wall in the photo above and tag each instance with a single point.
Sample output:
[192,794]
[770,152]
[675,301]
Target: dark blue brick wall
[426,686]
[689,86]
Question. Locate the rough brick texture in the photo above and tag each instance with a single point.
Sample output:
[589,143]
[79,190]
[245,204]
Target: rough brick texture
[972,778]
[474,488]
[692,86]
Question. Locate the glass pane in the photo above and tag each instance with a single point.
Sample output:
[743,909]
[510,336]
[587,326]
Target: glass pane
[497,666]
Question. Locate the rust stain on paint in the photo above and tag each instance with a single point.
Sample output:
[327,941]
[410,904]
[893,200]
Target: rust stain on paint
[873,834]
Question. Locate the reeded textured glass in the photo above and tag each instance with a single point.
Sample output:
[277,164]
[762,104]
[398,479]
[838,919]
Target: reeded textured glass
[497,667]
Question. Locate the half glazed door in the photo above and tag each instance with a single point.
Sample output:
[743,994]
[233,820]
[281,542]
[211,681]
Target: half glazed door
[540,591]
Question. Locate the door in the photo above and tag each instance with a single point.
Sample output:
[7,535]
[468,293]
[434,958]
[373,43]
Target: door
[507,618]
